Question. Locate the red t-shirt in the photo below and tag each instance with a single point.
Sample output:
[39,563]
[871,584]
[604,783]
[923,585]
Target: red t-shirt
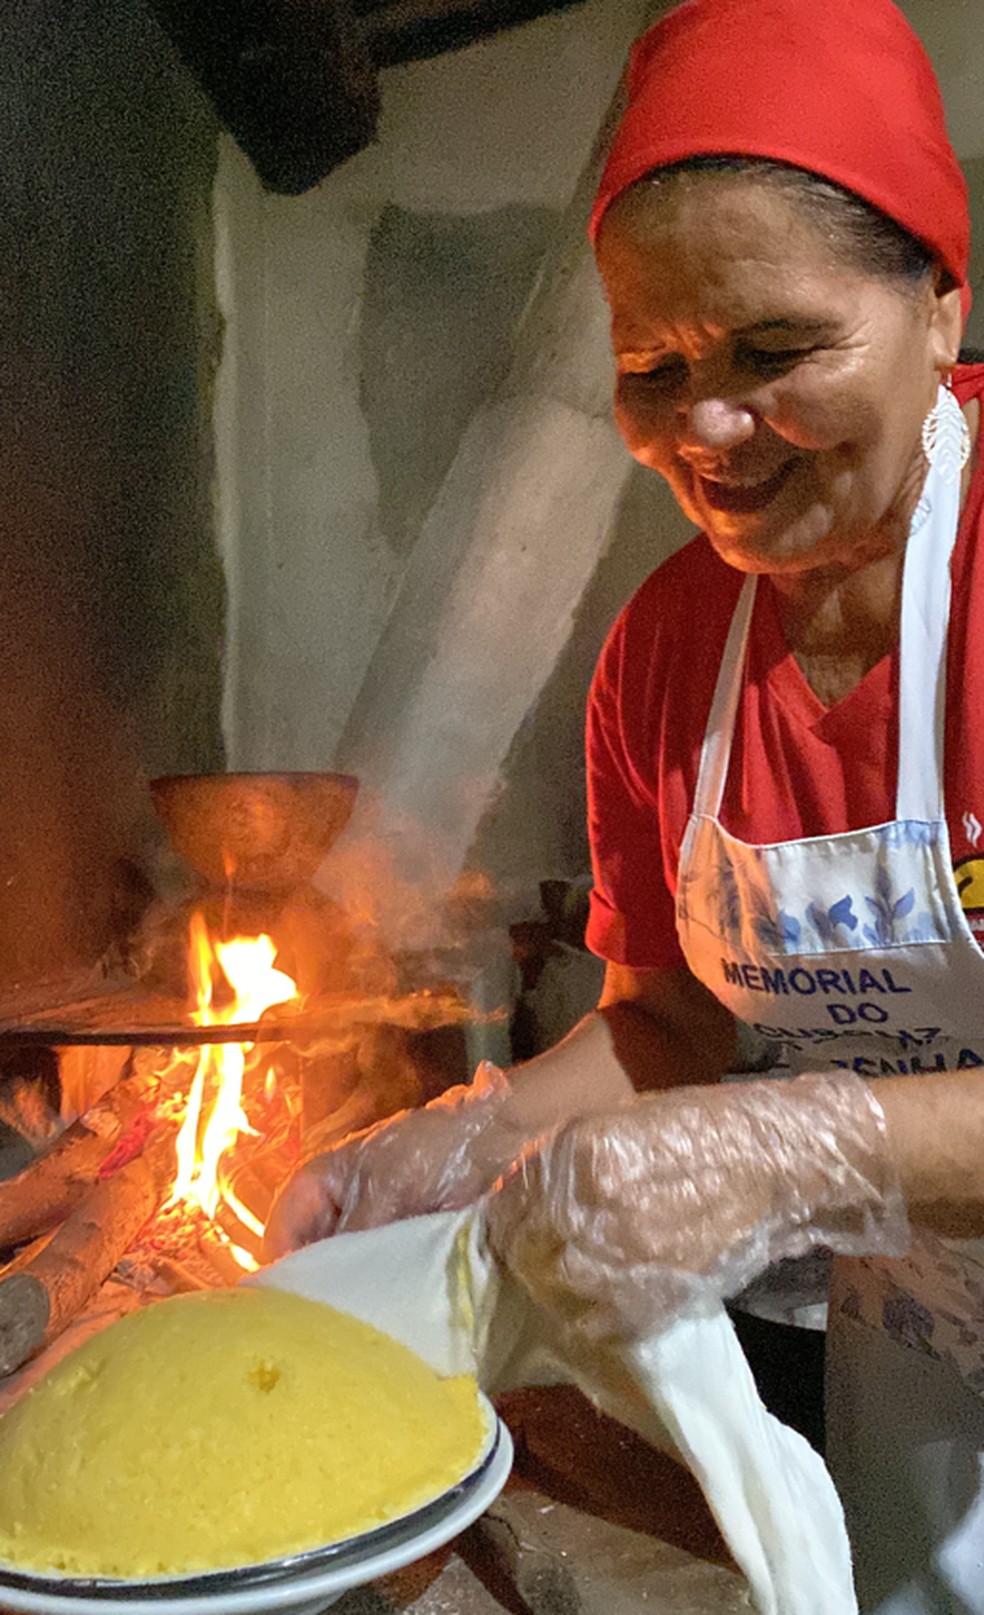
[798,768]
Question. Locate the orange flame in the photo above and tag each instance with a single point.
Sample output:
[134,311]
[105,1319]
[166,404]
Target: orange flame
[214,1117]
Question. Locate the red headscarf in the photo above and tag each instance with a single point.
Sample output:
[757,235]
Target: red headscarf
[841,87]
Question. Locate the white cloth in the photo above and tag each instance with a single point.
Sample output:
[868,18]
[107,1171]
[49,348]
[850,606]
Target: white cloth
[432,1283]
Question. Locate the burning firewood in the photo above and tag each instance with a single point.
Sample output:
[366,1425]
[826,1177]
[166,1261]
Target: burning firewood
[51,1187]
[41,1295]
[220,1255]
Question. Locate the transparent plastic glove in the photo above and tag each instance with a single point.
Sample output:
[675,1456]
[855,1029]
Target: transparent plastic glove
[618,1224]
[439,1158]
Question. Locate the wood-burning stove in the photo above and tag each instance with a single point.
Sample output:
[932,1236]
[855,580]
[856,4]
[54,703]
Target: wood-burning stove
[246,1073]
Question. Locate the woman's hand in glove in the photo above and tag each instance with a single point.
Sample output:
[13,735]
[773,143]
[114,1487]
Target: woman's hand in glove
[451,1152]
[441,1157]
[617,1223]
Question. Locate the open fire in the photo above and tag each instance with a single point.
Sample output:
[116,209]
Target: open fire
[165,1176]
[214,1117]
[147,1182]
[227,1101]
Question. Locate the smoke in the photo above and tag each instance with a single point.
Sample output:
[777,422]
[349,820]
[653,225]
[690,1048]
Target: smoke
[389,876]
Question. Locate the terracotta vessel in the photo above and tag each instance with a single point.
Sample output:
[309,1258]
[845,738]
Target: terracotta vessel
[264,832]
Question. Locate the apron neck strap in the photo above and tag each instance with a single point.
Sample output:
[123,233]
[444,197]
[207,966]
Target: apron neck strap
[925,618]
[924,622]
[716,750]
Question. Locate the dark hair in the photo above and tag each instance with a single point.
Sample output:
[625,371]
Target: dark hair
[861,234]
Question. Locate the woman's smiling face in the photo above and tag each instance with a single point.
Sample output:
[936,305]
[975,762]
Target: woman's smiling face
[777,387]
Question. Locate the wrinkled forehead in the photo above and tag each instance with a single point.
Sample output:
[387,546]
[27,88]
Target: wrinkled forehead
[684,210]
[714,238]
[692,264]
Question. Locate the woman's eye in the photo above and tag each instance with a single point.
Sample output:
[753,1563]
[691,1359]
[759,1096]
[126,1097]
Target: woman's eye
[770,361]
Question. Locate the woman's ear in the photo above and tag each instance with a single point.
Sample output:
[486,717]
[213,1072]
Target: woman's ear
[946,327]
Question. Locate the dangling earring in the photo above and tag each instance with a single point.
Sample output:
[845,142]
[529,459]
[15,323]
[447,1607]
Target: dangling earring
[946,436]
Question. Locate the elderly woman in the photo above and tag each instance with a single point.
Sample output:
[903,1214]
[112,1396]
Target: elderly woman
[785,745]
[786,727]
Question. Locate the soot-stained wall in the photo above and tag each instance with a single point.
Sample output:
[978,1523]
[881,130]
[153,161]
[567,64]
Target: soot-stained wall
[442,295]
[111,593]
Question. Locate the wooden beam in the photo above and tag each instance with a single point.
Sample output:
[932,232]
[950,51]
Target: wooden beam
[290,79]
[294,81]
[397,31]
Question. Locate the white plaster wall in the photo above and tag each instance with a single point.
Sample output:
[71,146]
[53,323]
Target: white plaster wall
[309,581]
[953,33]
[508,122]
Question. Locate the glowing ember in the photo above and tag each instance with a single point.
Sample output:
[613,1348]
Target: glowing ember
[214,1117]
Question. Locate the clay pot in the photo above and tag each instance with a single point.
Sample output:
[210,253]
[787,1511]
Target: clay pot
[266,832]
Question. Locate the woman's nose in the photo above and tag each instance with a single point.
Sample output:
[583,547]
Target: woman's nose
[716,423]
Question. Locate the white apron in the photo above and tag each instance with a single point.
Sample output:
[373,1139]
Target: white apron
[852,950]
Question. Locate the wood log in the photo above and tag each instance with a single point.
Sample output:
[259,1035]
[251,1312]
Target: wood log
[44,1294]
[213,1247]
[179,1276]
[50,1188]
[26,1254]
